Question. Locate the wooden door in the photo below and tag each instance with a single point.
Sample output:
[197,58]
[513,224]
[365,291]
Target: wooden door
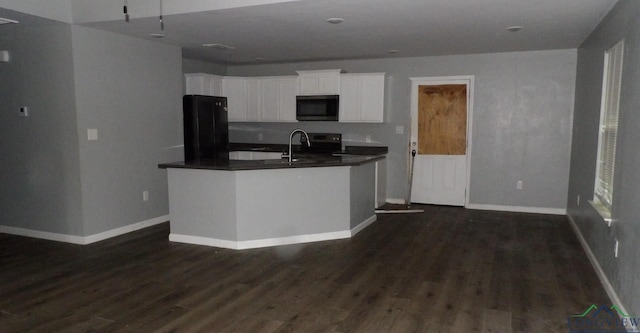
[439,135]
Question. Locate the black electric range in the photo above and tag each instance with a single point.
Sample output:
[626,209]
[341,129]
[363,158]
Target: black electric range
[322,143]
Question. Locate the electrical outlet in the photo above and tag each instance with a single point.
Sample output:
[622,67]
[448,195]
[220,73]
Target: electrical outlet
[145,195]
[399,129]
[367,138]
[615,249]
[260,136]
[519,185]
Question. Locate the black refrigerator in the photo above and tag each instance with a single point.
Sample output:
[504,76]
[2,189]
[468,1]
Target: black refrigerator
[206,128]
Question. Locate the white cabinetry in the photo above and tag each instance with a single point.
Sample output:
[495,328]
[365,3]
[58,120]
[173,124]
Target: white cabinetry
[278,99]
[273,98]
[235,89]
[254,104]
[362,98]
[203,84]
[381,183]
[319,82]
[264,99]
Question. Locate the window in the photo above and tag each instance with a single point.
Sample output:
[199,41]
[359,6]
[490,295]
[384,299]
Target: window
[608,133]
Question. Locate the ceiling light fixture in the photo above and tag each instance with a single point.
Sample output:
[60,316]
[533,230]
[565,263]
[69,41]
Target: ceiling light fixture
[259,59]
[514,28]
[393,51]
[335,20]
[218,46]
[157,35]
[7,21]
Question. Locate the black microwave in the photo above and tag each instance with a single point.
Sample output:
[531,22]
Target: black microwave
[317,108]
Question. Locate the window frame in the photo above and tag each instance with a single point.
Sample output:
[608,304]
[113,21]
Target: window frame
[608,129]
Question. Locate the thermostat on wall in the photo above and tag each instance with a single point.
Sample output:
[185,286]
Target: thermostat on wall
[24,111]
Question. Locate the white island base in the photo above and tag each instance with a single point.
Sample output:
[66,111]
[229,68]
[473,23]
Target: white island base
[245,209]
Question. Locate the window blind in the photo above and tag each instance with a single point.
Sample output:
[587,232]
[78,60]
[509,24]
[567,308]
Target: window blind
[611,87]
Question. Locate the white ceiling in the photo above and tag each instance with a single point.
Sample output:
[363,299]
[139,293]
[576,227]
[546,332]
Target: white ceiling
[295,31]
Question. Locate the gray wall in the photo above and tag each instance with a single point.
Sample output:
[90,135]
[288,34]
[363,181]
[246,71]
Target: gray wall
[73,78]
[39,159]
[521,120]
[130,90]
[623,22]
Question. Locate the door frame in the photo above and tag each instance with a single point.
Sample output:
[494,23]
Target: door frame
[467,80]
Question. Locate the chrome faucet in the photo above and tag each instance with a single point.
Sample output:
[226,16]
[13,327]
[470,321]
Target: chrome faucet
[291,139]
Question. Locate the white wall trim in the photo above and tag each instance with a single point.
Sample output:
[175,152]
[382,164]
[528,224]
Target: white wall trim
[364,224]
[519,209]
[52,236]
[611,292]
[267,242]
[207,241]
[126,229]
[258,243]
[80,240]
[396,201]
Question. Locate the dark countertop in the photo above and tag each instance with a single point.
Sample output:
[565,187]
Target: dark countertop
[269,147]
[303,161]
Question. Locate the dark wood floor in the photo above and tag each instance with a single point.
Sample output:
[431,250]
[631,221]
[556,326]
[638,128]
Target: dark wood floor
[446,270]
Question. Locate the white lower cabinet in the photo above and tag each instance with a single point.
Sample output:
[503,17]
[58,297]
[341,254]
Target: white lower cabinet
[362,98]
[381,183]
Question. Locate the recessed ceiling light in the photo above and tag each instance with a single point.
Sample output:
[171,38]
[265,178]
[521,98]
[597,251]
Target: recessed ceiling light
[7,21]
[219,46]
[514,28]
[335,20]
[157,35]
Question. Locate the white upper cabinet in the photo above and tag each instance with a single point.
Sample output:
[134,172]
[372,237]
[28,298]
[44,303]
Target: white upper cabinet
[203,84]
[260,99]
[278,99]
[254,102]
[362,98]
[273,98]
[319,82]
[235,90]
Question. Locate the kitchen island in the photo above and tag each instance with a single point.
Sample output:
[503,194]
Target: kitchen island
[242,204]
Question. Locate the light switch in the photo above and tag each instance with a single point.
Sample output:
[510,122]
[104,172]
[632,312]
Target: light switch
[92,134]
[399,129]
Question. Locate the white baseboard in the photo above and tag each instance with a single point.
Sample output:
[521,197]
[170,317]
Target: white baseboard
[518,209]
[363,225]
[268,242]
[396,201]
[258,243]
[83,240]
[126,229]
[42,235]
[613,295]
